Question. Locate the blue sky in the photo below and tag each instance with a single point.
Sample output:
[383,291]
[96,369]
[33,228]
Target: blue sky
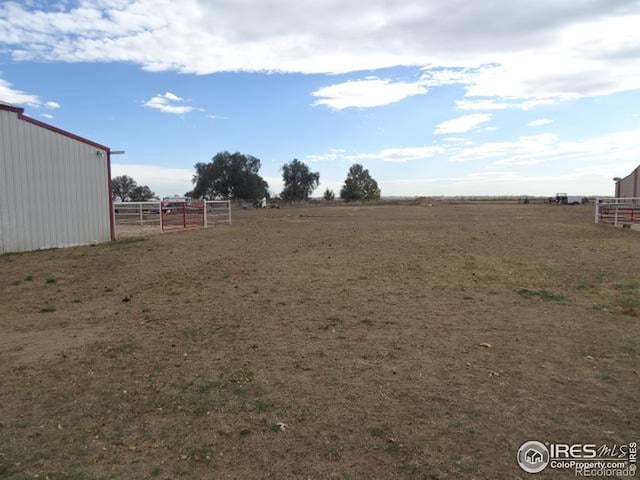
[434,98]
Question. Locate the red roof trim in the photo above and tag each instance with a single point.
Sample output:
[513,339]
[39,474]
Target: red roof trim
[26,118]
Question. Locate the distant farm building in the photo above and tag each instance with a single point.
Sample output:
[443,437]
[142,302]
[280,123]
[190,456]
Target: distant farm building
[54,186]
[628,186]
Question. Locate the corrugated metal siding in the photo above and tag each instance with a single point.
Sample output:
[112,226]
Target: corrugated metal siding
[53,189]
[629,186]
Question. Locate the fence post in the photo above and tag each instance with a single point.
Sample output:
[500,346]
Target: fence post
[161,219]
[615,218]
[229,210]
[597,210]
[141,219]
[204,213]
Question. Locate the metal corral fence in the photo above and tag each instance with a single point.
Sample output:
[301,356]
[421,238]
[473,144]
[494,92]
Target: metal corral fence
[618,211]
[151,217]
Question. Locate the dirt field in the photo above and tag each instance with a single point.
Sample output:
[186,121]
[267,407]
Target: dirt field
[326,343]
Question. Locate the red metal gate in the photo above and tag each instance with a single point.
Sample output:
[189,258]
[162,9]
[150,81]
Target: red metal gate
[181,215]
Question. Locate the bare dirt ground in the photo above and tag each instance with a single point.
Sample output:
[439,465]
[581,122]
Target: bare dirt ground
[324,343]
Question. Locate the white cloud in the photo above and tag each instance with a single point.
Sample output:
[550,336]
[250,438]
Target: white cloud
[398,155]
[392,155]
[368,92]
[332,154]
[462,124]
[48,116]
[171,97]
[14,96]
[52,105]
[611,149]
[555,51]
[167,103]
[539,122]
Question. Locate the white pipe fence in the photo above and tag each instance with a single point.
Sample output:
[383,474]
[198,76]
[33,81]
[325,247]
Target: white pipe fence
[217,212]
[136,213]
[128,215]
[618,211]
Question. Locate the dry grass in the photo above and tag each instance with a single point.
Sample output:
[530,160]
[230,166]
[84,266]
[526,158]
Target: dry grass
[338,343]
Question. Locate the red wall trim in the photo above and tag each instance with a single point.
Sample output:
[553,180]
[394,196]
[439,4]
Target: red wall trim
[22,116]
[26,118]
[112,220]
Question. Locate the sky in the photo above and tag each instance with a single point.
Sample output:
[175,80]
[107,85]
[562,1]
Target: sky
[508,97]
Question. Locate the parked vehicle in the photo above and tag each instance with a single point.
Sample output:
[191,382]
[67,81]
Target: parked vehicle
[564,199]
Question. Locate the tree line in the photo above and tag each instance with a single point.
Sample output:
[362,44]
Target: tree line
[235,176]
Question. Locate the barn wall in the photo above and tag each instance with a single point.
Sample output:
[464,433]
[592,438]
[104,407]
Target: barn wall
[629,186]
[54,190]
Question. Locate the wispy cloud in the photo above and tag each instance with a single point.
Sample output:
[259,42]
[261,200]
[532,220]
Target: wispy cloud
[48,116]
[368,92]
[12,95]
[462,124]
[168,103]
[52,105]
[539,122]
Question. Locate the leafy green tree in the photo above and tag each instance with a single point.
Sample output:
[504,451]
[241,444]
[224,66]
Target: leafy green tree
[126,189]
[142,193]
[299,181]
[359,185]
[329,195]
[231,176]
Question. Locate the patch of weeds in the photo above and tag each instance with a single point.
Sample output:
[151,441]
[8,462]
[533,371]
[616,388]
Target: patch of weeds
[333,453]
[127,347]
[273,426]
[377,432]
[543,294]
[408,468]
[262,405]
[16,283]
[281,303]
[108,289]
[627,286]
[207,386]
[28,278]
[124,242]
[191,334]
[47,309]
[392,447]
[155,471]
[243,375]
[75,300]
[50,280]
[226,275]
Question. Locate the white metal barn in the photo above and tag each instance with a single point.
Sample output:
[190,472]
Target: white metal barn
[55,187]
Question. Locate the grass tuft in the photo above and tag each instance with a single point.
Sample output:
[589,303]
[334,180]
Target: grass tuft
[543,294]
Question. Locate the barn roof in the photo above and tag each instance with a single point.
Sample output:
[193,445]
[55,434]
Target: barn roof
[20,111]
